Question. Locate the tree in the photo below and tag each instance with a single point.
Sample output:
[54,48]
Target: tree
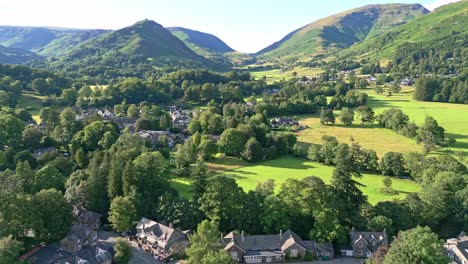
[327,116]
[379,223]
[387,182]
[379,89]
[347,116]
[366,114]
[41,86]
[122,213]
[327,226]
[207,149]
[392,164]
[253,151]
[49,177]
[32,137]
[133,111]
[232,142]
[417,245]
[205,247]
[54,215]
[348,196]
[11,129]
[24,177]
[10,250]
[221,202]
[123,251]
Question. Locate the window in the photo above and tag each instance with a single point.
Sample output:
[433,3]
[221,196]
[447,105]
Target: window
[360,244]
[360,253]
[234,255]
[294,253]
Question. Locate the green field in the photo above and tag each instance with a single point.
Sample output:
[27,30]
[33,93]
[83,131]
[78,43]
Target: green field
[278,74]
[453,117]
[248,176]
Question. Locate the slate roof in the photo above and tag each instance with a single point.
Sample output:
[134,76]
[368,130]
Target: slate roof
[368,236]
[263,242]
[78,233]
[461,244]
[154,231]
[324,248]
[90,255]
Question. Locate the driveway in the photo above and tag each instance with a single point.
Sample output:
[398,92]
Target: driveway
[139,255]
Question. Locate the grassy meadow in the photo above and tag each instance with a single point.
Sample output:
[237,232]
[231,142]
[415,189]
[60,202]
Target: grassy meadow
[278,74]
[453,117]
[281,169]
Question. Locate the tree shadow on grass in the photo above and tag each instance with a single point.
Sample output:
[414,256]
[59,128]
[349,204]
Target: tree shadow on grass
[288,163]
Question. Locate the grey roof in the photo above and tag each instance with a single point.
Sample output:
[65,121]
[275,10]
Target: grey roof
[264,253]
[155,231]
[78,232]
[324,247]
[262,242]
[368,236]
[90,255]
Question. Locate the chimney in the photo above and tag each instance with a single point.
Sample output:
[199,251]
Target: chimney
[171,226]
[281,233]
[242,235]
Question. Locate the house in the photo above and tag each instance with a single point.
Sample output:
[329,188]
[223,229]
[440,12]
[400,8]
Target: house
[364,244]
[154,137]
[180,118]
[161,240]
[280,122]
[457,248]
[324,251]
[90,255]
[78,237]
[267,248]
[98,254]
[85,217]
[83,232]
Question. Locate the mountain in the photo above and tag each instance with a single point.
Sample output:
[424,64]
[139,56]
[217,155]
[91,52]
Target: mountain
[203,44]
[444,23]
[46,41]
[341,31]
[145,42]
[16,56]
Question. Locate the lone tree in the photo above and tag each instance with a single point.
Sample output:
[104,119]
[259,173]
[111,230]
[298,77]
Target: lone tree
[366,114]
[387,182]
[347,116]
[326,116]
[417,245]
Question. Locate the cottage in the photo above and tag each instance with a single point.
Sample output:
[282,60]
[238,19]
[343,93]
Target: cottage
[42,151]
[267,248]
[180,118]
[364,244]
[457,248]
[324,251]
[163,241]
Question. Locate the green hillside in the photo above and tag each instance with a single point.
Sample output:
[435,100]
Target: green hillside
[341,31]
[203,44]
[16,55]
[446,21]
[45,41]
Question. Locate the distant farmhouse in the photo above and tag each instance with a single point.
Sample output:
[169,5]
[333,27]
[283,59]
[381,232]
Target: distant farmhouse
[273,248]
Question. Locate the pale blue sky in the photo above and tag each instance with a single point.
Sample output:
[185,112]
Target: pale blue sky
[245,25]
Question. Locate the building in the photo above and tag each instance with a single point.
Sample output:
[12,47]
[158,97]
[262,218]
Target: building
[161,240]
[457,248]
[180,118]
[84,231]
[364,244]
[51,254]
[270,248]
[78,237]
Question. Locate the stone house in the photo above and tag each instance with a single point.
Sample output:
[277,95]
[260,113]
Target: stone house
[78,237]
[163,241]
[267,248]
[364,244]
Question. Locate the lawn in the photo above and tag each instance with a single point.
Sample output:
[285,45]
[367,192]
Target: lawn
[248,176]
[33,103]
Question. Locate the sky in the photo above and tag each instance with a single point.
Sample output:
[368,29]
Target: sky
[245,25]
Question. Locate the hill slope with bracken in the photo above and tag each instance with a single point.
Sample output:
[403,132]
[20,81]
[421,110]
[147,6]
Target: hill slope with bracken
[202,43]
[446,22]
[340,31]
[17,56]
[46,41]
[145,42]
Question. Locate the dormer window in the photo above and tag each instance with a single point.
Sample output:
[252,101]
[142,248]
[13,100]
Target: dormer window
[361,244]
